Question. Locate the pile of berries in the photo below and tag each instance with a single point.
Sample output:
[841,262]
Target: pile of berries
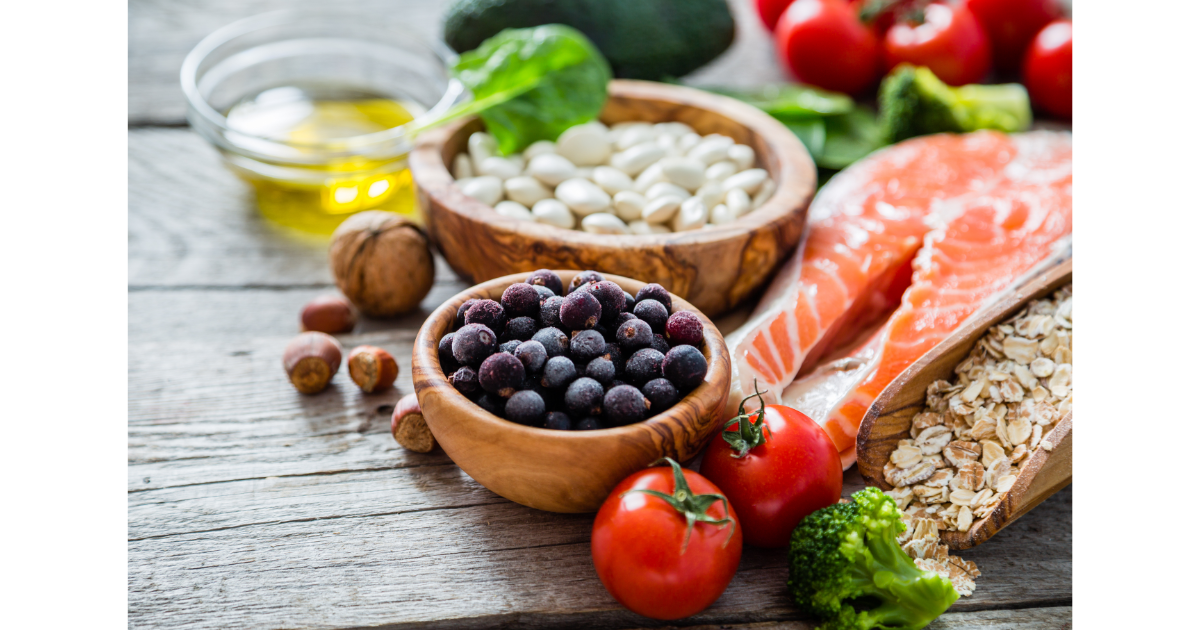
[591,358]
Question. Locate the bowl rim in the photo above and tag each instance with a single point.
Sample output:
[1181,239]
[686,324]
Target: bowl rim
[426,362]
[794,191]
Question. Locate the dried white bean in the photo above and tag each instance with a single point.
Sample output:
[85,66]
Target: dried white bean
[639,227]
[738,202]
[634,136]
[667,189]
[764,193]
[748,180]
[686,172]
[742,156]
[603,223]
[486,189]
[648,178]
[711,148]
[585,145]
[541,147]
[675,129]
[668,145]
[611,180]
[551,169]
[618,128]
[711,193]
[629,204]
[481,145]
[719,171]
[722,214]
[661,210]
[635,159]
[553,212]
[687,141]
[462,167]
[526,190]
[582,196]
[514,210]
[503,168]
[692,215]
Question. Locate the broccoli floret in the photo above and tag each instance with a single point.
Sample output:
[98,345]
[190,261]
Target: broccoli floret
[914,102]
[848,551]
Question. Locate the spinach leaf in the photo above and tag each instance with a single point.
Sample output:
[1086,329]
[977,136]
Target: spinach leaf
[793,102]
[812,133]
[849,138]
[531,84]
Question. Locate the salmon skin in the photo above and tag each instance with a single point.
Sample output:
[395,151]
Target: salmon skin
[970,214]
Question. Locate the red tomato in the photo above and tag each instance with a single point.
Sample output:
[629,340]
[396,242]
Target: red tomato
[644,554]
[950,41]
[1011,25]
[794,471]
[824,44]
[1047,69]
[770,10]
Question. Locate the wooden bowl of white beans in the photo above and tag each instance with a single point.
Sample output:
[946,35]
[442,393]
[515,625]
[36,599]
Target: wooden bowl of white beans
[698,192]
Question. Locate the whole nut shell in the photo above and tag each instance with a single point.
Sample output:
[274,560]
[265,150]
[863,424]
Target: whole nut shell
[310,360]
[372,369]
[409,428]
[381,262]
[330,314]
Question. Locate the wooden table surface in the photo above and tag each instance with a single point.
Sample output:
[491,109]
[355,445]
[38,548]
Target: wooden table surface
[251,506]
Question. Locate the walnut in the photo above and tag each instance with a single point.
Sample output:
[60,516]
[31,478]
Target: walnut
[381,262]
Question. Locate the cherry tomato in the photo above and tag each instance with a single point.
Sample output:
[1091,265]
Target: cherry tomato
[950,41]
[1047,70]
[1011,25]
[770,10]
[790,470]
[645,554]
[824,44]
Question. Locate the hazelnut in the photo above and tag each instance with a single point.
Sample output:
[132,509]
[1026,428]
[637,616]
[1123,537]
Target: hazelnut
[328,314]
[409,428]
[310,360]
[381,262]
[372,368]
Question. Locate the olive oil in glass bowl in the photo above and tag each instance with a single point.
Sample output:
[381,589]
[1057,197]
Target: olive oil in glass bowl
[311,109]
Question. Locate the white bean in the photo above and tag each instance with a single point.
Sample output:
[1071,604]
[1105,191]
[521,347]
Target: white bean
[635,159]
[661,210]
[553,212]
[764,193]
[582,196]
[692,215]
[738,202]
[675,129]
[462,167]
[486,189]
[685,172]
[742,156]
[481,145]
[585,145]
[687,141]
[640,227]
[722,214]
[514,210]
[711,193]
[648,178]
[748,180]
[711,149]
[551,169]
[604,223]
[503,168]
[541,147]
[634,136]
[611,180]
[667,189]
[629,204]
[668,145]
[526,190]
[719,171]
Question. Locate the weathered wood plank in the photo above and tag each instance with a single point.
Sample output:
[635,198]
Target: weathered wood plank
[1057,618]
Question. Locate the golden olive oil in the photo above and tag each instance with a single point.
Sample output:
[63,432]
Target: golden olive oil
[307,186]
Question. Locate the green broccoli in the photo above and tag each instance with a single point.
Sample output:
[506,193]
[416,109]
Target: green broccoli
[914,102]
[848,551]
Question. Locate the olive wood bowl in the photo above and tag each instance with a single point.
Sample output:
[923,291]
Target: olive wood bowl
[714,268]
[889,419]
[560,471]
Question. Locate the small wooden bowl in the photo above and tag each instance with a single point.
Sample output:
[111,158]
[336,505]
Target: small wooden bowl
[714,269]
[888,420]
[560,471]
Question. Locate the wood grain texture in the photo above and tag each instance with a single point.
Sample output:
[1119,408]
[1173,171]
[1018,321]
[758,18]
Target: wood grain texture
[714,269]
[560,471]
[889,419]
[1056,617]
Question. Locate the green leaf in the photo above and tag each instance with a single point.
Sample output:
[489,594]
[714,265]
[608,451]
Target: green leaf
[812,134]
[849,138]
[793,102]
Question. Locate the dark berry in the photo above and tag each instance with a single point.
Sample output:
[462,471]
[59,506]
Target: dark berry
[501,374]
[546,278]
[584,277]
[580,310]
[487,312]
[644,365]
[543,294]
[550,313]
[473,343]
[557,420]
[533,355]
[460,319]
[521,300]
[587,345]
[520,328]
[525,407]
[624,405]
[601,370]
[634,335]
[613,353]
[684,327]
[622,318]
[629,302]
[611,297]
[555,341]
[685,367]
[585,397]
[660,343]
[661,394]
[510,346]
[446,353]
[466,381]
[588,424]
[491,404]
[656,292]
[558,372]
[652,312]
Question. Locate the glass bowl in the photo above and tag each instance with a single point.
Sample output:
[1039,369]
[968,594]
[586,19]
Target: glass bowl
[255,87]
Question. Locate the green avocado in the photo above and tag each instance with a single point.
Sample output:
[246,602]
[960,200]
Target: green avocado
[642,39]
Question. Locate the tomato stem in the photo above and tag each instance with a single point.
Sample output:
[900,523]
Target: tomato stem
[694,507]
[749,434]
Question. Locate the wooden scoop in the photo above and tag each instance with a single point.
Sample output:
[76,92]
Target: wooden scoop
[888,420]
